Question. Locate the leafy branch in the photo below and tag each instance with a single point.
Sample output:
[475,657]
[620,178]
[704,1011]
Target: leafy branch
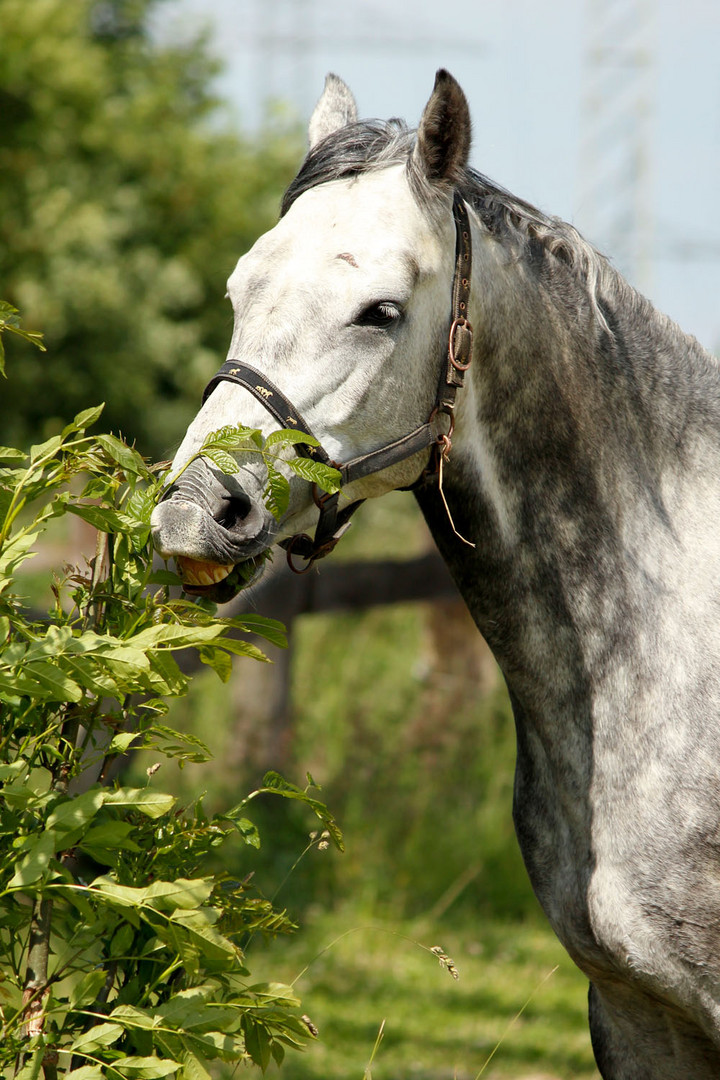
[275,451]
[120,955]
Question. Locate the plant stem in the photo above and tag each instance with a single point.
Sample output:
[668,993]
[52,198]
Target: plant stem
[35,988]
[36,972]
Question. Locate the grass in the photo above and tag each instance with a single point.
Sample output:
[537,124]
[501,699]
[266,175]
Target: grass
[517,1008]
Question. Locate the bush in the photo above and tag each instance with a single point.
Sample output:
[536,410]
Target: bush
[120,955]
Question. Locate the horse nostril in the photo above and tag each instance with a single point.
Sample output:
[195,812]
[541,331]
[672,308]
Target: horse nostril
[234,508]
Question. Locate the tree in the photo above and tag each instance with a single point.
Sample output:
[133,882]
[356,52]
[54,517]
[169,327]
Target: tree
[125,207]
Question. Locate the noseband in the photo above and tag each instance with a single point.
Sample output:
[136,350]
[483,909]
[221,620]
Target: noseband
[333,522]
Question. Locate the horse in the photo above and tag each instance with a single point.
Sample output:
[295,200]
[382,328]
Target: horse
[435,332]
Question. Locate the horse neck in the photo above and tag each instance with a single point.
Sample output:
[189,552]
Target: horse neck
[585,462]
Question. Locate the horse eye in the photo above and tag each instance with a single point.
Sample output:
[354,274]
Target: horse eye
[382,314]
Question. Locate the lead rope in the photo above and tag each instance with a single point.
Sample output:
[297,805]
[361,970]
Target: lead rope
[443,456]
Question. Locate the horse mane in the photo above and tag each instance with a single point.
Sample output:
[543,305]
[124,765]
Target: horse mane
[367,146]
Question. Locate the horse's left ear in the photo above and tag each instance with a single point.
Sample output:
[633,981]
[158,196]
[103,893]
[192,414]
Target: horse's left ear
[443,137]
[335,109]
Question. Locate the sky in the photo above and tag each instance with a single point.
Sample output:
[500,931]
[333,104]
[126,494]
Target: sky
[556,108]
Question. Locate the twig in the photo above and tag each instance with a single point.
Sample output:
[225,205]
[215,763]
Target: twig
[36,974]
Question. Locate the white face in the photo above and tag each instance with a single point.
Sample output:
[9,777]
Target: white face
[344,305]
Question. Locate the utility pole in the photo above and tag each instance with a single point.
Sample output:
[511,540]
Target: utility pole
[285,35]
[614,209]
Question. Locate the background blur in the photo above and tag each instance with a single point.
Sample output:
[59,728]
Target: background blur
[144,144]
[604,112]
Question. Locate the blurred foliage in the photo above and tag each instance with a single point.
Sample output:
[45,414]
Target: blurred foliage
[125,206]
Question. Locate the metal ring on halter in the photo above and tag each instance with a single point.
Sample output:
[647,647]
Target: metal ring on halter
[289,554]
[444,443]
[451,417]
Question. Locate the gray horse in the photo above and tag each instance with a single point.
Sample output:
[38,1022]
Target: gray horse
[567,460]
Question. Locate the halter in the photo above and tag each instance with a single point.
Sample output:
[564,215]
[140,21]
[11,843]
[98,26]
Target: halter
[333,522]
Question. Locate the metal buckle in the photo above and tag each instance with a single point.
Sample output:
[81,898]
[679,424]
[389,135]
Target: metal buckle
[459,323]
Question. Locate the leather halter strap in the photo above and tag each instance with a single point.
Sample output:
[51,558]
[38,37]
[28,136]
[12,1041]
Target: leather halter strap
[333,521]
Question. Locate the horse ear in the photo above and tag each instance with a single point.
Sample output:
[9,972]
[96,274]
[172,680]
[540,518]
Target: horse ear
[443,137]
[335,109]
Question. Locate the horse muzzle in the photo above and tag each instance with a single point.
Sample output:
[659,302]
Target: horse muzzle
[218,533]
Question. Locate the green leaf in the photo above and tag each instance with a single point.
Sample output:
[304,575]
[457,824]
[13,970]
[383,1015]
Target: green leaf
[9,453]
[71,818]
[243,648]
[217,1044]
[86,990]
[97,1037]
[225,463]
[10,321]
[315,472]
[139,506]
[290,437]
[132,1017]
[130,460]
[212,944]
[122,940]
[46,449]
[196,1008]
[145,1068]
[152,803]
[270,629]
[218,660]
[103,518]
[86,1072]
[174,636]
[36,862]
[231,437]
[277,492]
[257,1042]
[33,1064]
[248,831]
[165,676]
[13,769]
[175,742]
[164,577]
[183,894]
[274,782]
[59,686]
[107,842]
[9,316]
[193,1068]
[15,551]
[122,741]
[17,684]
[84,419]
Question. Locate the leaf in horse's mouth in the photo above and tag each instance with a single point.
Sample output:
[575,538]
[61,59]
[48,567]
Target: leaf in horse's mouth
[194,573]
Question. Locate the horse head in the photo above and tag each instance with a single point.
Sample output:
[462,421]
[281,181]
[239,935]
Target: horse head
[341,318]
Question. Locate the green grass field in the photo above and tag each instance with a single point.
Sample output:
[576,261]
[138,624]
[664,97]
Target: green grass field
[355,977]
